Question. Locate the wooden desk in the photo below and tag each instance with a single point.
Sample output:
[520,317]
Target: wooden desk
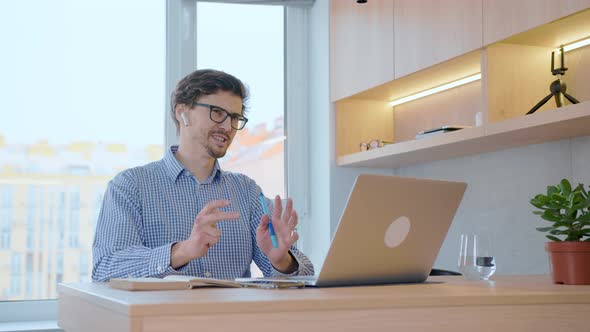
[510,303]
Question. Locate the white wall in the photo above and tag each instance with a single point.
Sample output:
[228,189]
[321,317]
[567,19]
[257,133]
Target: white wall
[500,184]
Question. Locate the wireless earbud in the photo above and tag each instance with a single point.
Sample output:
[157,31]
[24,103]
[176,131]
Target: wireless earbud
[184,119]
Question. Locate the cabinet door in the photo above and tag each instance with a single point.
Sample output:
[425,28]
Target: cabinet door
[504,18]
[361,40]
[431,31]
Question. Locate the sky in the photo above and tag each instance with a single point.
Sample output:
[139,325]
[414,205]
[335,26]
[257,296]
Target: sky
[79,70]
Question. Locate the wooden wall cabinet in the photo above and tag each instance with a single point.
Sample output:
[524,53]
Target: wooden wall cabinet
[428,32]
[515,75]
[361,44]
[505,18]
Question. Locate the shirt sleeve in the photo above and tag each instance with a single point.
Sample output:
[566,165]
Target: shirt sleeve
[118,248]
[305,266]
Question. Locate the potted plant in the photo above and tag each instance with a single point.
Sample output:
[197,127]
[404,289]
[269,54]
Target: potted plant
[568,211]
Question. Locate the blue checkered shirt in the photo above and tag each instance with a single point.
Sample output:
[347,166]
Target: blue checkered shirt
[147,209]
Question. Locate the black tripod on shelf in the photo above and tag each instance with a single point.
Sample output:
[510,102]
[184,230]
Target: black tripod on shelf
[557,87]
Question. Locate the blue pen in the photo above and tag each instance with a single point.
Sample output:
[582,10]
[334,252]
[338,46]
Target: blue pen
[271,230]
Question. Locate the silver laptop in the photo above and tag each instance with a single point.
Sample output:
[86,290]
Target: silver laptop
[390,232]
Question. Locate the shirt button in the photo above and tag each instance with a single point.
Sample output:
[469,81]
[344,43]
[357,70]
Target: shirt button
[207,275]
[160,268]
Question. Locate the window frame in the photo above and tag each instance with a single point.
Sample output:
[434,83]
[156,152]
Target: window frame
[181,42]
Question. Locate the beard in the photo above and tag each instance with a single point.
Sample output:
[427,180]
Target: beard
[215,151]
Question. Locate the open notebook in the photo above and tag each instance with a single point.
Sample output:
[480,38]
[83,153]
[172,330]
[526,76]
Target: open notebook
[175,282]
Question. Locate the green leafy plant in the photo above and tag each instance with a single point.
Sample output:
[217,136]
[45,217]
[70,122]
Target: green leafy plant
[567,209]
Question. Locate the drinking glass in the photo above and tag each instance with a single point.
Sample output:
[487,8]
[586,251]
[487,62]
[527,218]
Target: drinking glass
[476,257]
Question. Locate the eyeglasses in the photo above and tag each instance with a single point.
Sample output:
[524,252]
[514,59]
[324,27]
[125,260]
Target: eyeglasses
[373,144]
[218,114]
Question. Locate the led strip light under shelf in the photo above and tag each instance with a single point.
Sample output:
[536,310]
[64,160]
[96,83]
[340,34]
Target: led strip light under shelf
[575,45]
[472,78]
[437,89]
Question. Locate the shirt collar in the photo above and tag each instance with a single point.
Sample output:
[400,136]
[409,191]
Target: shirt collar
[174,168]
[215,173]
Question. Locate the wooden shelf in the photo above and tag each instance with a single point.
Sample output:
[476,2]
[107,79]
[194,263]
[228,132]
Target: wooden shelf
[564,122]
[562,31]
[515,75]
[367,115]
[442,73]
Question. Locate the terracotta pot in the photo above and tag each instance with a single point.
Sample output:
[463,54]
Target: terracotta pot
[570,262]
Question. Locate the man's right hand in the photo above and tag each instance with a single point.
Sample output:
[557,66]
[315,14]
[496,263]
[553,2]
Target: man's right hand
[204,234]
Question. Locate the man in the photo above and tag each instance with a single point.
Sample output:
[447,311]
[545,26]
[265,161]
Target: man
[183,214]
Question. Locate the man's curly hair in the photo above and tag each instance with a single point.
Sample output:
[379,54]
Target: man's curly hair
[205,82]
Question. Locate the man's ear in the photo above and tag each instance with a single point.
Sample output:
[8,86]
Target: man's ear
[184,119]
[179,109]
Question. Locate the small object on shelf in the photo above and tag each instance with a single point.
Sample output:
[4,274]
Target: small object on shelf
[373,144]
[439,130]
[557,87]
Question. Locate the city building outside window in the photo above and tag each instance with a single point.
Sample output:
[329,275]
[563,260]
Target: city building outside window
[83,99]
[78,110]
[250,45]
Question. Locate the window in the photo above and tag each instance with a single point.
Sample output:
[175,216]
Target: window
[250,45]
[74,219]
[15,279]
[83,83]
[76,109]
[6,217]
[84,267]
[30,215]
[247,41]
[29,277]
[58,236]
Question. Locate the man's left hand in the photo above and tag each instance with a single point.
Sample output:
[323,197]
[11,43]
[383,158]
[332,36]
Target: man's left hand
[284,223]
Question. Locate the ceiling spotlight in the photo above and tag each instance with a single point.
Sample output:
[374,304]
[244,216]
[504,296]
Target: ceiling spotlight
[361,1]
